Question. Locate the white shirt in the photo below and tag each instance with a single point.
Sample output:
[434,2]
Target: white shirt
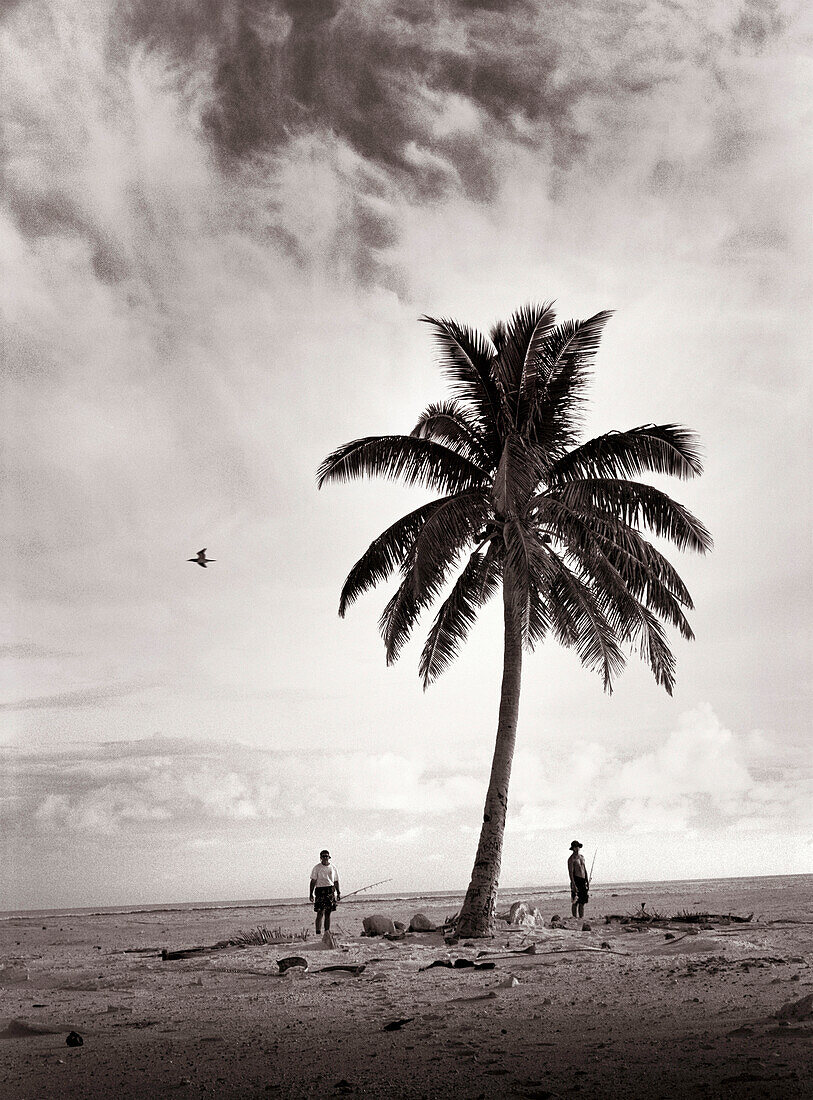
[324,875]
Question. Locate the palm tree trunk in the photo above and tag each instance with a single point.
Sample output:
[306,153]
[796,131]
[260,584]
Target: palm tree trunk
[477,915]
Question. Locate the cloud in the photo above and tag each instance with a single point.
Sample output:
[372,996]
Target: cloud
[702,778]
[183,785]
[73,700]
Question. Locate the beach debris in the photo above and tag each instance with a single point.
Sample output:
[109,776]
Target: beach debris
[290,962]
[587,927]
[525,914]
[421,923]
[256,937]
[191,952]
[685,916]
[330,939]
[555,919]
[74,1039]
[377,925]
[343,1086]
[480,997]
[796,1010]
[355,970]
[396,1025]
[530,950]
[459,964]
[509,982]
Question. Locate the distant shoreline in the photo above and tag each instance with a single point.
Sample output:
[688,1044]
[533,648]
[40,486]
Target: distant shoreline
[558,888]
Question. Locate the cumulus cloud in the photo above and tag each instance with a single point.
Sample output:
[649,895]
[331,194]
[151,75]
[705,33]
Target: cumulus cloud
[703,777]
[183,785]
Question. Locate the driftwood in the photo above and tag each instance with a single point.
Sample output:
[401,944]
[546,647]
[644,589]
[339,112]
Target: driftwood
[505,954]
[192,952]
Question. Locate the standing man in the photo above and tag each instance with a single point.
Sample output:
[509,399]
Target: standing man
[579,884]
[325,887]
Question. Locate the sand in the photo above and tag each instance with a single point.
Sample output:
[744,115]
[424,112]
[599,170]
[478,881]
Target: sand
[620,1010]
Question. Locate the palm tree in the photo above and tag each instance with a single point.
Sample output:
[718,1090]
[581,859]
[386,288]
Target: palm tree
[522,503]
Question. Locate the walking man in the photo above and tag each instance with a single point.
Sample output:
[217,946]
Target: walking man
[325,891]
[579,884]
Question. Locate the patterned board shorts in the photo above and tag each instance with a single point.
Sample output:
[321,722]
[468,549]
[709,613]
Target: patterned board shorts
[324,899]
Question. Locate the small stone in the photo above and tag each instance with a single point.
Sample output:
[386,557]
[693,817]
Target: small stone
[74,1039]
[587,927]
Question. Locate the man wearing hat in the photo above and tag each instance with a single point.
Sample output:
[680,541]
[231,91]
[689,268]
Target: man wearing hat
[325,890]
[579,884]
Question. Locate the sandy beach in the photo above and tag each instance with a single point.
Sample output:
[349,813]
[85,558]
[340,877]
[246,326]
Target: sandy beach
[624,1008]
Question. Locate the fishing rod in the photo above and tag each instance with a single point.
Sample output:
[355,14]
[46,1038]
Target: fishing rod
[592,865]
[361,888]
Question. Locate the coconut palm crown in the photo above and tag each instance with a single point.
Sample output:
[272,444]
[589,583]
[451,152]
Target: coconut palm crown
[522,504]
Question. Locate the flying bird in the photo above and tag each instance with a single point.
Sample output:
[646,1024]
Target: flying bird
[201,559]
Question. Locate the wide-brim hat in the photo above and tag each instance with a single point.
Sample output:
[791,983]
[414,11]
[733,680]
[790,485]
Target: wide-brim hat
[576,844]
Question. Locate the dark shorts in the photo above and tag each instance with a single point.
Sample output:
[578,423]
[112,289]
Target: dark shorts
[580,893]
[324,899]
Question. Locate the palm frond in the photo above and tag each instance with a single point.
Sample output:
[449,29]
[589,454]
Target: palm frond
[544,319]
[565,359]
[579,621]
[453,424]
[451,526]
[649,578]
[515,363]
[444,536]
[465,356]
[619,560]
[637,504]
[385,554]
[655,448]
[401,456]
[654,649]
[526,562]
[475,585]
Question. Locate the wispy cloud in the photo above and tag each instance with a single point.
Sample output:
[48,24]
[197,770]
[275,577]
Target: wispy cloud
[73,700]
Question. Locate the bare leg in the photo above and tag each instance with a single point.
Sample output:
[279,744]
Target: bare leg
[319,922]
[581,909]
[327,920]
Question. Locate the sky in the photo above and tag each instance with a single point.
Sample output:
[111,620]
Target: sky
[220,221]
